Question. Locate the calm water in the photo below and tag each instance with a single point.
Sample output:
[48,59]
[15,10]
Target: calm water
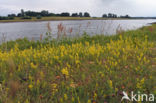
[12,31]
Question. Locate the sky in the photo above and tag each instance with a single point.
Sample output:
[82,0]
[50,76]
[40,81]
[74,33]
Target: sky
[94,7]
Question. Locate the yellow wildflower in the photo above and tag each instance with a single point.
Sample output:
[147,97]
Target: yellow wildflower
[38,82]
[27,101]
[73,99]
[95,96]
[61,100]
[30,78]
[30,86]
[77,62]
[65,71]
[110,84]
[0,87]
[65,96]
[89,101]
[42,74]
[87,43]
[54,85]
[140,83]
[33,66]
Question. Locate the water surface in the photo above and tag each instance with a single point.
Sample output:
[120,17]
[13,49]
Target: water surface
[12,31]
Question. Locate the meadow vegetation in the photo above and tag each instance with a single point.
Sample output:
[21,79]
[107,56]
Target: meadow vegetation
[33,19]
[78,70]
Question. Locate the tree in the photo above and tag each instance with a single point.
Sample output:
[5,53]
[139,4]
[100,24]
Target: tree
[58,14]
[110,15]
[80,14]
[104,16]
[127,16]
[19,15]
[75,15]
[114,16]
[86,14]
[66,14]
[52,14]
[11,15]
[32,13]
[22,13]
[44,13]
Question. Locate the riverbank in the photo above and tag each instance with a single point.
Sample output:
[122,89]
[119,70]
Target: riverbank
[34,19]
[17,19]
[153,23]
[84,70]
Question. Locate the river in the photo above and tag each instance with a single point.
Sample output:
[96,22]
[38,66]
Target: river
[33,30]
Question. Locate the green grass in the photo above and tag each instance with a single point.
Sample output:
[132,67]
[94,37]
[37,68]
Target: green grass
[18,19]
[89,69]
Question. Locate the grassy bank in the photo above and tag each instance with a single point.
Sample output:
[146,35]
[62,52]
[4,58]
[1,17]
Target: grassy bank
[79,70]
[18,19]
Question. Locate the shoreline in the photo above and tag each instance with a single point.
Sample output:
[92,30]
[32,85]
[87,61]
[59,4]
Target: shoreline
[63,19]
[153,23]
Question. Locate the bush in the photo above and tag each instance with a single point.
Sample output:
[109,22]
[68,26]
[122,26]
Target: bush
[3,18]
[6,18]
[26,17]
[39,17]
[11,18]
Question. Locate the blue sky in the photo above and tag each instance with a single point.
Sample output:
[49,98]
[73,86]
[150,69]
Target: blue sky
[94,7]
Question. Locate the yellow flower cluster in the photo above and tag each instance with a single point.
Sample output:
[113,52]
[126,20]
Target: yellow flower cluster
[33,66]
[65,71]
[140,83]
[30,86]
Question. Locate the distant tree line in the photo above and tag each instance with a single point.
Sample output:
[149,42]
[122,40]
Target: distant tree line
[9,17]
[111,15]
[45,13]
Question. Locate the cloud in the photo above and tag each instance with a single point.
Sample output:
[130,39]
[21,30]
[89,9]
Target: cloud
[95,7]
[5,9]
[132,7]
[120,7]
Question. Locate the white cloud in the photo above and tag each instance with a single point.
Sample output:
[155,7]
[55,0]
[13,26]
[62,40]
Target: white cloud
[95,7]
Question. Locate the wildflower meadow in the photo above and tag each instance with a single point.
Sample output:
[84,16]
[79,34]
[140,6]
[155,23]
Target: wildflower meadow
[88,69]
